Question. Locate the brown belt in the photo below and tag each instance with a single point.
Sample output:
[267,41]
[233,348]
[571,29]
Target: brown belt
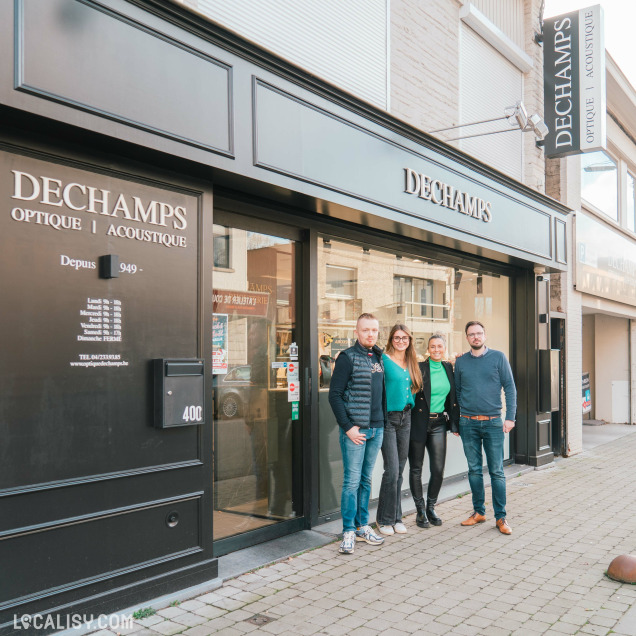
[481,418]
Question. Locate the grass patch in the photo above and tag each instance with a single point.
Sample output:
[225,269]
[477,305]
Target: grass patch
[146,612]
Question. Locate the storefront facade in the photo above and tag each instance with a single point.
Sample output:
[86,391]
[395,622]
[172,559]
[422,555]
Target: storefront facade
[185,252]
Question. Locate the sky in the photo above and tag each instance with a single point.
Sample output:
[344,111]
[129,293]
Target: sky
[620,20]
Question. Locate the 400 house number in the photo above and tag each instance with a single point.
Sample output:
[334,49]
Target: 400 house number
[193,414]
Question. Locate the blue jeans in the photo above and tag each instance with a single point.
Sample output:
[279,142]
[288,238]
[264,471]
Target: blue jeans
[489,433]
[358,461]
[395,451]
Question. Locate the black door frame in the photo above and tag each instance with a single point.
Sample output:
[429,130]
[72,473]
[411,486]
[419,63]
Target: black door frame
[235,214]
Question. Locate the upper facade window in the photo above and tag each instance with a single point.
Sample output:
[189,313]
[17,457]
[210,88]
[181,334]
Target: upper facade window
[599,182]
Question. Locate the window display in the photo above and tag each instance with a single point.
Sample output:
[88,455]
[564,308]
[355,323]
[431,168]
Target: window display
[427,297]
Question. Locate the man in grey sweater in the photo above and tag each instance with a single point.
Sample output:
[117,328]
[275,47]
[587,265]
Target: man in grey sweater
[480,375]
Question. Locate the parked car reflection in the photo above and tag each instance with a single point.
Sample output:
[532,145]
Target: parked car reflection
[232,392]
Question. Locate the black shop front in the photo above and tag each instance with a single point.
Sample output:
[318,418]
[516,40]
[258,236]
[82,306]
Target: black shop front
[182,257]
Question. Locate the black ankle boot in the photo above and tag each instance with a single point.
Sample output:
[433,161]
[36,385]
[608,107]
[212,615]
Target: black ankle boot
[431,514]
[420,520]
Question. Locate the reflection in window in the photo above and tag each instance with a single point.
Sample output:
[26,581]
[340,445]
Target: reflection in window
[599,182]
[341,282]
[221,246]
[420,297]
[631,203]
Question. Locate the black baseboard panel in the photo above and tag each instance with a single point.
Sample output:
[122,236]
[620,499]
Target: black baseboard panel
[57,618]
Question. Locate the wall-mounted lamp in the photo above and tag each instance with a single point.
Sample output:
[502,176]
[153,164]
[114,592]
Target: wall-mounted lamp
[516,116]
[480,284]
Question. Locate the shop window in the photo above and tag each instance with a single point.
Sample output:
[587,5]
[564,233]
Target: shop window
[631,202]
[599,182]
[221,247]
[427,297]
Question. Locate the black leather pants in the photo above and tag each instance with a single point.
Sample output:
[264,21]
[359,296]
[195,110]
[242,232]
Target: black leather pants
[435,444]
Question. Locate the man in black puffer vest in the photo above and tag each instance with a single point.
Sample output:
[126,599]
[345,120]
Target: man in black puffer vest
[358,400]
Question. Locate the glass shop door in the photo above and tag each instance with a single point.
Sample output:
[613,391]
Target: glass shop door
[257,384]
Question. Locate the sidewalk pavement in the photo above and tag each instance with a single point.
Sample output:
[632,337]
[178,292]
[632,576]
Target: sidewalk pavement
[569,521]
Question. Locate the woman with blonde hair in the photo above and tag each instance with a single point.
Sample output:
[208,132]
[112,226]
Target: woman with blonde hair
[435,413]
[403,379]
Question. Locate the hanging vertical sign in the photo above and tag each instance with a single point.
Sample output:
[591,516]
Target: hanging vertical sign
[574,82]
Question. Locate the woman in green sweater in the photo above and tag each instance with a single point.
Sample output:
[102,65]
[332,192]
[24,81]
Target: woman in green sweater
[402,379]
[435,412]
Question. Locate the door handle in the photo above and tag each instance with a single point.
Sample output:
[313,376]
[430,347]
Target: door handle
[308,386]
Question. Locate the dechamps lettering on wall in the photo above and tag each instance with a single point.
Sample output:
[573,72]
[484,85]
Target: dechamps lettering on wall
[446,195]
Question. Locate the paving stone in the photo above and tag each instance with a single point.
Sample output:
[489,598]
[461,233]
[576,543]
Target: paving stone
[602,621]
[191,605]
[563,628]
[189,619]
[450,619]
[594,629]
[171,612]
[199,630]
[167,628]
[209,611]
[150,621]
[210,597]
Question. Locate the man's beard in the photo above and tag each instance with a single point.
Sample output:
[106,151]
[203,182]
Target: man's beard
[474,346]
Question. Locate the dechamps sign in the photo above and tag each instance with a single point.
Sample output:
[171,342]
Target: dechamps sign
[574,82]
[446,195]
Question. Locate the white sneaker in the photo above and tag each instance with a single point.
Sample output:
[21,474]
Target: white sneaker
[388,530]
[400,528]
[348,542]
[365,533]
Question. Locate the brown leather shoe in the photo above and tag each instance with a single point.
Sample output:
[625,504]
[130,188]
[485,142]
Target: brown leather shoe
[474,519]
[503,526]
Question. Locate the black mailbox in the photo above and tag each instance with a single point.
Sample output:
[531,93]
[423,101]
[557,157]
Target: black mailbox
[179,392]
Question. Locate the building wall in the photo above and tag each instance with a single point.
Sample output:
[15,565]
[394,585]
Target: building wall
[424,85]
[425,71]
[533,157]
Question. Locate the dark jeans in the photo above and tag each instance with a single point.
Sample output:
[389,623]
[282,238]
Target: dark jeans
[489,433]
[435,444]
[395,450]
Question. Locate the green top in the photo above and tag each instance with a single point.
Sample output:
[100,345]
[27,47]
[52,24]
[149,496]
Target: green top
[398,385]
[440,386]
